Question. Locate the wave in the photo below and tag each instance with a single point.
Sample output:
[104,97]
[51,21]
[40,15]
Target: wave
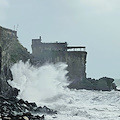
[46,85]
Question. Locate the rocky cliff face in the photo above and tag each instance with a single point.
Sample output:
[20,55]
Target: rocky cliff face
[11,51]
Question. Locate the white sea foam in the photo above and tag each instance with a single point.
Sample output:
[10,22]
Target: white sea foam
[37,84]
[46,86]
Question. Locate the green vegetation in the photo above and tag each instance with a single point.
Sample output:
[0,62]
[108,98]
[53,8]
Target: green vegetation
[12,50]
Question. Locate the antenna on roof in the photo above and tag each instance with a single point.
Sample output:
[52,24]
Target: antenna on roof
[40,38]
[14,27]
[17,27]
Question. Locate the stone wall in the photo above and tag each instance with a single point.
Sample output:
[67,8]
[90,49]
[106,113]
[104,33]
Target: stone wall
[38,47]
[76,60]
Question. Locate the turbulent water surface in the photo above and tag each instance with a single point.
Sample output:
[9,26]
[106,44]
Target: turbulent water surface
[46,85]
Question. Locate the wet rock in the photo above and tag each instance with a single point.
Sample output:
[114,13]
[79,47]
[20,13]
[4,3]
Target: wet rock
[11,51]
[0,59]
[22,117]
[15,109]
[5,74]
[45,110]
[104,84]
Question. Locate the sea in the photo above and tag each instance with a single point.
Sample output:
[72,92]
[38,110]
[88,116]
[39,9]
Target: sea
[46,86]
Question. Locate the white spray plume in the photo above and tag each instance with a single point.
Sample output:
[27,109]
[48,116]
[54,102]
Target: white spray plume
[37,84]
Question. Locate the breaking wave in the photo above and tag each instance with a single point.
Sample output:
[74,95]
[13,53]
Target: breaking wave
[39,83]
[46,85]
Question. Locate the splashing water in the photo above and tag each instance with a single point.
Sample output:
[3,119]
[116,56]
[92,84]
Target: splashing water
[46,86]
[37,84]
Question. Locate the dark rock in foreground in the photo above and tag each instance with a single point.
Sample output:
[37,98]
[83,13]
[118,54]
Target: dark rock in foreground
[25,116]
[15,109]
[104,84]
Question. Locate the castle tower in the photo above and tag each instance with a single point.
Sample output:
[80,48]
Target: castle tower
[74,56]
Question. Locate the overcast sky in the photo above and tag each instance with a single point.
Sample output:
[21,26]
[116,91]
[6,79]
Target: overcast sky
[91,23]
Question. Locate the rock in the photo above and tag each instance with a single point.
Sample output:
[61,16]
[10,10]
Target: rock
[114,86]
[25,118]
[15,109]
[104,84]
[11,51]
[45,110]
[6,74]
[0,59]
[87,84]
[22,117]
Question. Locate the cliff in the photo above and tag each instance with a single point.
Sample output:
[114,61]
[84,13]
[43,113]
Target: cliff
[11,51]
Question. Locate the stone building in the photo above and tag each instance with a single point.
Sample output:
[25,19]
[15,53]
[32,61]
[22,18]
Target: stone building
[74,56]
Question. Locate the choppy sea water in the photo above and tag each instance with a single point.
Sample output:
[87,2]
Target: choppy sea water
[46,86]
[87,105]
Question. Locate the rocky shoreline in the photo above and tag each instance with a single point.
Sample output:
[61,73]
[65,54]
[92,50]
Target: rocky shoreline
[15,109]
[11,108]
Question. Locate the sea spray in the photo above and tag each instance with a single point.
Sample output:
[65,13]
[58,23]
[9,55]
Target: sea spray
[39,83]
[46,85]
[117,82]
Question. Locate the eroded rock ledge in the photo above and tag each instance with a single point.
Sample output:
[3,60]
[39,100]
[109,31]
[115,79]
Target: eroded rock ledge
[104,84]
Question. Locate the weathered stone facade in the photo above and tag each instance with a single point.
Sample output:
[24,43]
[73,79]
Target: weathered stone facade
[60,52]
